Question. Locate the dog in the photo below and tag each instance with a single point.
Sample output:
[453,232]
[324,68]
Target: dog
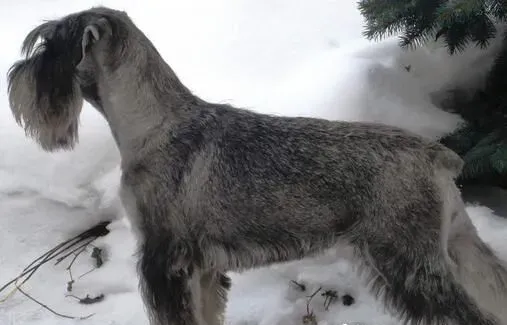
[212,188]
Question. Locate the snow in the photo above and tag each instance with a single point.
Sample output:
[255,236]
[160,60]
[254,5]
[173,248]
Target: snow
[284,57]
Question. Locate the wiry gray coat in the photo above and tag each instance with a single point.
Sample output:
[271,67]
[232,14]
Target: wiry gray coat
[212,188]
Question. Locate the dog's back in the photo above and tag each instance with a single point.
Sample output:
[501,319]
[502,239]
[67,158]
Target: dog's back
[294,179]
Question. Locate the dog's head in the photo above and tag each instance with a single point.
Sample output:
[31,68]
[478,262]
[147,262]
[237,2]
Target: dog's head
[47,88]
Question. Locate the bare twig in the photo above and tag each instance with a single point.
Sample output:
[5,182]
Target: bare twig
[30,269]
[310,297]
[72,296]
[49,253]
[69,269]
[70,275]
[50,309]
[309,318]
[330,297]
[86,273]
[78,250]
[301,286]
[75,258]
[97,231]
[88,300]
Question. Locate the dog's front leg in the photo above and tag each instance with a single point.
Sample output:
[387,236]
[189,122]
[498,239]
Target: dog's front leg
[172,293]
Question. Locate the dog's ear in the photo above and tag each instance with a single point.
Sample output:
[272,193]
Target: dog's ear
[93,33]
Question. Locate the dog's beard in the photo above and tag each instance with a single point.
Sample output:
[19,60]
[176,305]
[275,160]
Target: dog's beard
[48,113]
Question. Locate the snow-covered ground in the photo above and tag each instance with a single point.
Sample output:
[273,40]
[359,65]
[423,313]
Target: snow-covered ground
[290,57]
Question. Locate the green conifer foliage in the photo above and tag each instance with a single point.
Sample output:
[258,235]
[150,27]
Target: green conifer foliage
[482,143]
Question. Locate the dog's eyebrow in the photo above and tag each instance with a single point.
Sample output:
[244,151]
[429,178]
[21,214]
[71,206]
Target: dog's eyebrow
[43,31]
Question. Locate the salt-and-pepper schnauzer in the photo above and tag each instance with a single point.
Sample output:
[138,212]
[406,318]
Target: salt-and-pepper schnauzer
[211,188]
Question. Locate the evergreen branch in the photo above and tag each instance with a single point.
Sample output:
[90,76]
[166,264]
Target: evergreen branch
[498,159]
[458,22]
[384,17]
[478,159]
[497,8]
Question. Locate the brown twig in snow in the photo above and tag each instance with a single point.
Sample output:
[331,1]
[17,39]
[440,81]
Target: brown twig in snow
[50,309]
[86,273]
[330,297]
[88,300]
[69,269]
[302,287]
[97,231]
[76,251]
[309,318]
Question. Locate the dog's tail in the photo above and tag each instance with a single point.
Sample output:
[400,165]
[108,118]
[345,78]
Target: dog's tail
[473,263]
[429,265]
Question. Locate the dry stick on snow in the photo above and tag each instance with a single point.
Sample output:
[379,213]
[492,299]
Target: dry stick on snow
[99,261]
[96,231]
[309,318]
[30,269]
[96,254]
[50,309]
[86,273]
[77,250]
[99,230]
[330,297]
[88,300]
[301,286]
[69,269]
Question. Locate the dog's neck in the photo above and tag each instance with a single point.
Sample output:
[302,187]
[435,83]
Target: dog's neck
[139,104]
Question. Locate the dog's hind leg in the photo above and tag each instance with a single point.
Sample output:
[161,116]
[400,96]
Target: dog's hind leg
[410,270]
[415,283]
[477,267]
[172,296]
